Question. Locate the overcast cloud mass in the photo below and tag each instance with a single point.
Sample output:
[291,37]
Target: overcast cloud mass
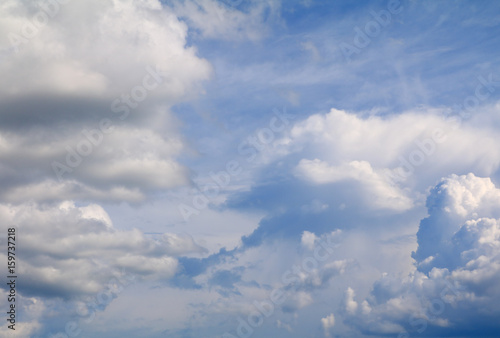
[251,168]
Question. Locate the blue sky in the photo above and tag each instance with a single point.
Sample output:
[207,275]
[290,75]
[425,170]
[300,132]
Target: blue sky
[267,168]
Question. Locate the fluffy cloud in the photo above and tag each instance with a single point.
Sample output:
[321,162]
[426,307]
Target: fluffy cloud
[86,119]
[86,112]
[73,261]
[30,309]
[350,304]
[338,177]
[454,201]
[308,239]
[379,187]
[366,175]
[106,58]
[340,146]
[328,322]
[124,166]
[69,250]
[455,283]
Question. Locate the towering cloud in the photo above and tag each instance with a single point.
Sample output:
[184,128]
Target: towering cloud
[457,268]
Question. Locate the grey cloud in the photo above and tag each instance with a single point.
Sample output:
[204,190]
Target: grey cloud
[70,251]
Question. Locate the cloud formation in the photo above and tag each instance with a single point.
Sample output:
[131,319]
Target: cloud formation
[112,112]
[86,120]
[456,269]
[129,65]
[69,251]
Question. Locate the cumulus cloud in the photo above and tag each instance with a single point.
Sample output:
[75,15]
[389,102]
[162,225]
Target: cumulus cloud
[456,273]
[86,113]
[335,159]
[85,119]
[384,193]
[350,304]
[130,62]
[454,201]
[297,301]
[69,251]
[340,146]
[73,261]
[308,239]
[328,322]
[106,58]
[125,166]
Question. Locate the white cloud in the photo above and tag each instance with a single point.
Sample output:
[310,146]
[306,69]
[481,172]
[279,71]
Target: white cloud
[467,196]
[391,156]
[92,52]
[454,201]
[98,48]
[457,267]
[350,304]
[70,251]
[92,61]
[297,301]
[127,164]
[308,239]
[380,189]
[328,322]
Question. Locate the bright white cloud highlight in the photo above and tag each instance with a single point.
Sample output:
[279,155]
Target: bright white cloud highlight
[308,239]
[328,322]
[378,187]
[350,304]
[457,267]
[391,156]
